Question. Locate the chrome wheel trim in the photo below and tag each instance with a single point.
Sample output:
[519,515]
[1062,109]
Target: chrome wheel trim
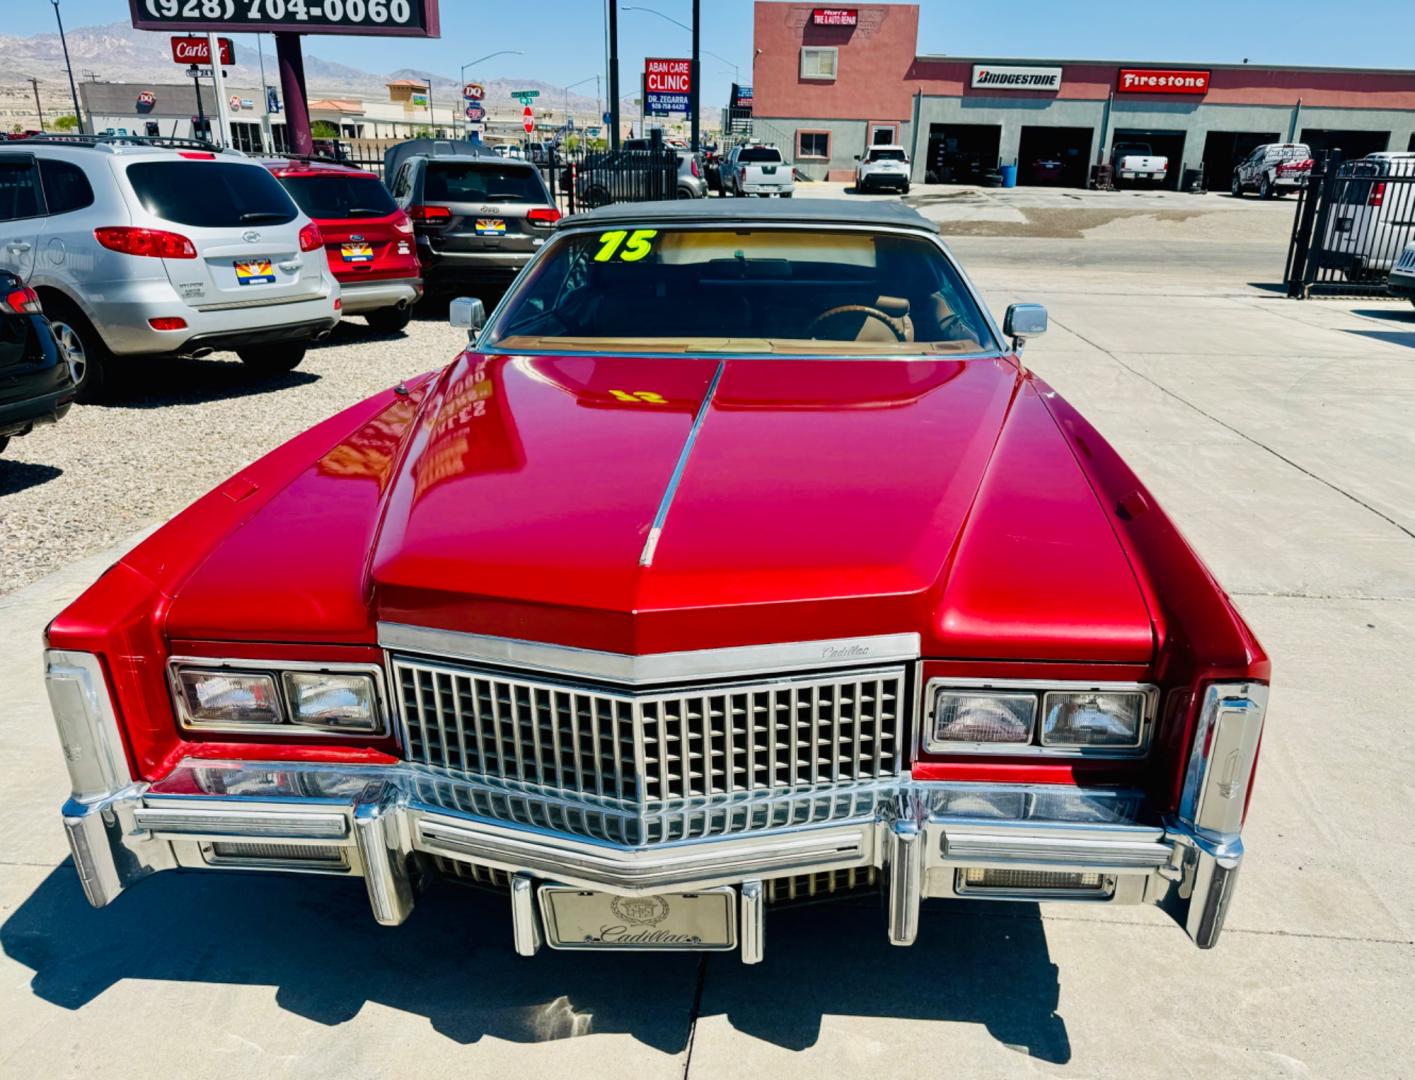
[71,347]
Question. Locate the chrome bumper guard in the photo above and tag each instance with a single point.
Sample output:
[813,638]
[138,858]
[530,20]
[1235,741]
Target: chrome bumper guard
[374,822]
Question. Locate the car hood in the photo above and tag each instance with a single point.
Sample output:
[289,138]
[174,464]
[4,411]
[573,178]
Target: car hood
[799,500]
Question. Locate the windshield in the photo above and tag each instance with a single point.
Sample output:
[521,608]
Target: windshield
[482,181]
[759,154]
[804,291]
[886,155]
[340,196]
[214,194]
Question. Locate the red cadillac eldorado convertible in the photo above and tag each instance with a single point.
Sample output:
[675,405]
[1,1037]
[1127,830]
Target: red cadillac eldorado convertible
[738,559]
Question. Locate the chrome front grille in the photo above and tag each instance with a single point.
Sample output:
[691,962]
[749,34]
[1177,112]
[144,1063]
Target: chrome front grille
[644,746]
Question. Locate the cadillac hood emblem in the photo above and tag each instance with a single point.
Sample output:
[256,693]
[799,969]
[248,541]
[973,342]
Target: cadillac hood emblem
[640,910]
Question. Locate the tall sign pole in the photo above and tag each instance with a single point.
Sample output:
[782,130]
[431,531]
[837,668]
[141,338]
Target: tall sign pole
[267,134]
[292,85]
[695,102]
[218,82]
[613,74]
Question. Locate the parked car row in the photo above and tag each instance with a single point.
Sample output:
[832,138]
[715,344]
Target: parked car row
[136,248]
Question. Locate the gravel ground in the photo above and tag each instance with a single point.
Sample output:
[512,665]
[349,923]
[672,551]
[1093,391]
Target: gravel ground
[175,431]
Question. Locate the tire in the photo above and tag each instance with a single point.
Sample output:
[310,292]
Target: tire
[686,193]
[389,320]
[274,359]
[1236,188]
[1265,188]
[4,442]
[81,348]
[787,194]
[904,190]
[596,195]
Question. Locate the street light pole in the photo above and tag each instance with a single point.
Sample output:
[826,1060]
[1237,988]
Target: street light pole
[78,115]
[482,59]
[696,68]
[613,74]
[35,83]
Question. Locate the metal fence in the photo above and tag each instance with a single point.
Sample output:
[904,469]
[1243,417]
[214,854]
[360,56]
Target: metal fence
[1352,221]
[582,179]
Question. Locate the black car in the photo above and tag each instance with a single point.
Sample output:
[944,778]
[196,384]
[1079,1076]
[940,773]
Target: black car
[36,384]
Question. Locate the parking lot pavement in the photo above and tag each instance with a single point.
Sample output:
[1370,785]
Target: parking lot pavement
[1276,433]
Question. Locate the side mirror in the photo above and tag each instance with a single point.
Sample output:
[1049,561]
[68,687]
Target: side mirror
[469,313]
[1024,321]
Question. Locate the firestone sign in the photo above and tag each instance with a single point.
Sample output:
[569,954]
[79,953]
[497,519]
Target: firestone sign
[1015,77]
[1162,81]
[835,17]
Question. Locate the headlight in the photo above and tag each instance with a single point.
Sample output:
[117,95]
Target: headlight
[1092,718]
[286,699]
[228,699]
[333,701]
[981,716]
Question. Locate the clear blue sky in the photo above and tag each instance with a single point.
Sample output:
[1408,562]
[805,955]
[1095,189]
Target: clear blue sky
[563,40]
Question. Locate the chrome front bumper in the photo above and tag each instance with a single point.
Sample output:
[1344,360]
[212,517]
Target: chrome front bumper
[379,822]
[373,822]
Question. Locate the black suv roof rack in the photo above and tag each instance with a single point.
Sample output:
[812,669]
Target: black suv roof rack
[160,141]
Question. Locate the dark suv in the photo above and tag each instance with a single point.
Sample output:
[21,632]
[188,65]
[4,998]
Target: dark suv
[478,218]
[36,381]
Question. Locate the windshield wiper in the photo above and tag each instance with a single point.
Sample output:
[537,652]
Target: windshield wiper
[364,211]
[263,215]
[501,196]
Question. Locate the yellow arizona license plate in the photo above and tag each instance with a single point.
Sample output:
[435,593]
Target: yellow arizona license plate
[259,272]
[491,226]
[357,252]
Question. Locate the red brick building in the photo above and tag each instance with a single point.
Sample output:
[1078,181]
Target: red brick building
[828,81]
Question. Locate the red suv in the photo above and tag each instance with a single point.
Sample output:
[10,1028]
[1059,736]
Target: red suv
[368,240]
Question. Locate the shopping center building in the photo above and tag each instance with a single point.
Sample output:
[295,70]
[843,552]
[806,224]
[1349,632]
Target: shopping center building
[829,81]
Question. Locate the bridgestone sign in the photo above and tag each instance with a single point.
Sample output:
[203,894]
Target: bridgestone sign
[1003,77]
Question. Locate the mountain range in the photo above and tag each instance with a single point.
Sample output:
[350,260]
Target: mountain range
[118,53]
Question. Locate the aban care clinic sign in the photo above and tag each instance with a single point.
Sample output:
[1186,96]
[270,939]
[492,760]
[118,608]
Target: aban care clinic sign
[1013,77]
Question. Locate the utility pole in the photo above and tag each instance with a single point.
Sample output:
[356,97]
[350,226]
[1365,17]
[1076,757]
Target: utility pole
[35,83]
[696,71]
[78,114]
[613,74]
[218,82]
[267,133]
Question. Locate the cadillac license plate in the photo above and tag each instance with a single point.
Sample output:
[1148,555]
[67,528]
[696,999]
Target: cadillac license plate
[581,919]
[357,253]
[491,226]
[257,272]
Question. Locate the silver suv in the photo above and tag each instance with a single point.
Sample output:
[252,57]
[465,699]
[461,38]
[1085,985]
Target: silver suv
[142,249]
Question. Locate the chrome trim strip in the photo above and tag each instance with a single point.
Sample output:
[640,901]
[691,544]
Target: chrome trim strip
[526,936]
[751,922]
[1222,757]
[906,881]
[221,823]
[646,668]
[1034,747]
[1022,847]
[676,477]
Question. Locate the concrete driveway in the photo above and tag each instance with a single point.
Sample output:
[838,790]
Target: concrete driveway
[1280,437]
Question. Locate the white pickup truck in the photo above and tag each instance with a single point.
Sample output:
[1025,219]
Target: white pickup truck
[1133,161]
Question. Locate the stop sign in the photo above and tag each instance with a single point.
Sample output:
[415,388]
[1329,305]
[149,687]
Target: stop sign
[528,120]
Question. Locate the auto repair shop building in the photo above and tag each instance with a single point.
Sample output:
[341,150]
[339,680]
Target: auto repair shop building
[829,81]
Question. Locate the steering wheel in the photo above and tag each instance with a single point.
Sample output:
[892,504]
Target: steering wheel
[857,309]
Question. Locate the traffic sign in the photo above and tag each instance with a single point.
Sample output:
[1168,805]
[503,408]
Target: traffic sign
[474,91]
[528,120]
[608,118]
[475,111]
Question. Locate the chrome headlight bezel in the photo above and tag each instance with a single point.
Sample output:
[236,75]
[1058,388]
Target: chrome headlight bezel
[1036,746]
[287,723]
